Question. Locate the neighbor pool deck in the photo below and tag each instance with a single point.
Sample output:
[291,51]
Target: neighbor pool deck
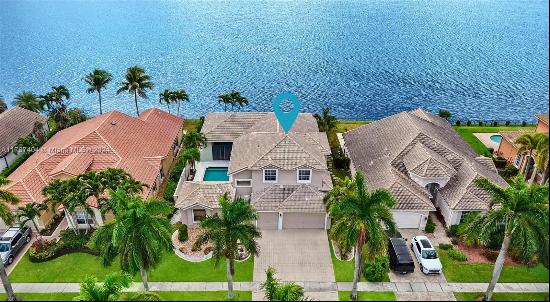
[485,138]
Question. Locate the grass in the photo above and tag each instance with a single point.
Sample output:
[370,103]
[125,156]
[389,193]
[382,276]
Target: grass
[503,296]
[190,124]
[343,270]
[166,296]
[481,272]
[172,268]
[467,133]
[347,125]
[368,296]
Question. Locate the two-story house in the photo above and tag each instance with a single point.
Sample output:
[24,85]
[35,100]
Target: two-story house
[248,155]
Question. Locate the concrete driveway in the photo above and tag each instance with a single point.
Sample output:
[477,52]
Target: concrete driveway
[417,275]
[296,254]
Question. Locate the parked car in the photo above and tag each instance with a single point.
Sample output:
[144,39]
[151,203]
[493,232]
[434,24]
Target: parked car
[426,255]
[12,241]
[401,260]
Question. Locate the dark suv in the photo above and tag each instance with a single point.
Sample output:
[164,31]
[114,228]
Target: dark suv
[12,241]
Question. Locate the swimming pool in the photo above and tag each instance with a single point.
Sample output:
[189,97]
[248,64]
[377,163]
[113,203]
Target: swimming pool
[496,138]
[216,174]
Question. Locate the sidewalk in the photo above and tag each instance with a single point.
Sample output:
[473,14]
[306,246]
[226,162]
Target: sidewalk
[308,287]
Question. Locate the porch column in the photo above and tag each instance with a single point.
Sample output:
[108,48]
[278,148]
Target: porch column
[280,223]
[97,216]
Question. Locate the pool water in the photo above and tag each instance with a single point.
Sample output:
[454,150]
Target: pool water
[496,138]
[216,174]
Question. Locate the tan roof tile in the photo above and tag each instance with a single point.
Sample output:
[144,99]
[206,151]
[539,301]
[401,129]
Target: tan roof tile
[16,122]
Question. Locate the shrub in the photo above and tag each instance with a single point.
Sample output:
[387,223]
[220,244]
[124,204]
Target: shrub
[524,123]
[52,224]
[456,255]
[480,123]
[452,231]
[377,270]
[42,249]
[490,255]
[170,190]
[491,150]
[69,242]
[500,162]
[445,246]
[507,123]
[199,125]
[68,239]
[455,241]
[430,225]
[495,123]
[179,166]
[468,123]
[509,171]
[458,122]
[183,234]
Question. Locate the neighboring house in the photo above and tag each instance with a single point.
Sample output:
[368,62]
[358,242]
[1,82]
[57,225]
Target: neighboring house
[144,147]
[16,123]
[426,166]
[284,176]
[508,148]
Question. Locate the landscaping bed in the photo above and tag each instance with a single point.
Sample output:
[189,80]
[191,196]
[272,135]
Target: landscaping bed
[44,250]
[186,247]
[166,296]
[368,296]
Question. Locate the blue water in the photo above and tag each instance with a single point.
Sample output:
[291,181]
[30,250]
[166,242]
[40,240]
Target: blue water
[497,138]
[364,59]
[216,174]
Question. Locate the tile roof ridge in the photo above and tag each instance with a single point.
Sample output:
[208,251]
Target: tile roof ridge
[110,147]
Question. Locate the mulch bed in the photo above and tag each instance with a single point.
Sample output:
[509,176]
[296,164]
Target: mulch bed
[475,255]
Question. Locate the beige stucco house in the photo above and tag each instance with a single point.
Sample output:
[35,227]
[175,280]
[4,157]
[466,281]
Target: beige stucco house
[425,165]
[283,176]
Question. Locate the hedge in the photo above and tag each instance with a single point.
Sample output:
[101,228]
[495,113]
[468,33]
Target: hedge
[69,242]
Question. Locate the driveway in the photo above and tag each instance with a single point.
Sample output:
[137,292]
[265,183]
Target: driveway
[295,254]
[417,275]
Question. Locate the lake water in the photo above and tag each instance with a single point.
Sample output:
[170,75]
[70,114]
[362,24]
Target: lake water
[364,59]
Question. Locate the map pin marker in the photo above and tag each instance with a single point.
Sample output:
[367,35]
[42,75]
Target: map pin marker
[286,118]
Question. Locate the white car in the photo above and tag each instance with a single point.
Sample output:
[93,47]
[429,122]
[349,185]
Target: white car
[426,255]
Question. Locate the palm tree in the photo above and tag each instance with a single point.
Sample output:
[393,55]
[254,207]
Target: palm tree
[275,291]
[6,198]
[194,139]
[541,159]
[326,121]
[56,194]
[233,98]
[180,96]
[139,234]
[29,212]
[109,290]
[528,142]
[521,213]
[358,219]
[166,97]
[446,114]
[27,144]
[191,156]
[29,101]
[233,226]
[56,105]
[97,80]
[136,82]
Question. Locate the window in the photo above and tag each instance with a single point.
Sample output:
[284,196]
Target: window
[81,218]
[418,246]
[304,176]
[243,183]
[270,175]
[517,160]
[16,239]
[221,151]
[198,215]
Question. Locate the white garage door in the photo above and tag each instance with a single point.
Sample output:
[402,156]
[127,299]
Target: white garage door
[268,220]
[407,220]
[303,221]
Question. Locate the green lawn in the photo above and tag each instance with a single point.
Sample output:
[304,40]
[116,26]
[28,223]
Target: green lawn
[481,272]
[368,296]
[166,296]
[503,296]
[172,268]
[190,124]
[347,125]
[343,270]
[467,134]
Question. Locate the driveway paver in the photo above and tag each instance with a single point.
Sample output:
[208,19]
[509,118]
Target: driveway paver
[296,255]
